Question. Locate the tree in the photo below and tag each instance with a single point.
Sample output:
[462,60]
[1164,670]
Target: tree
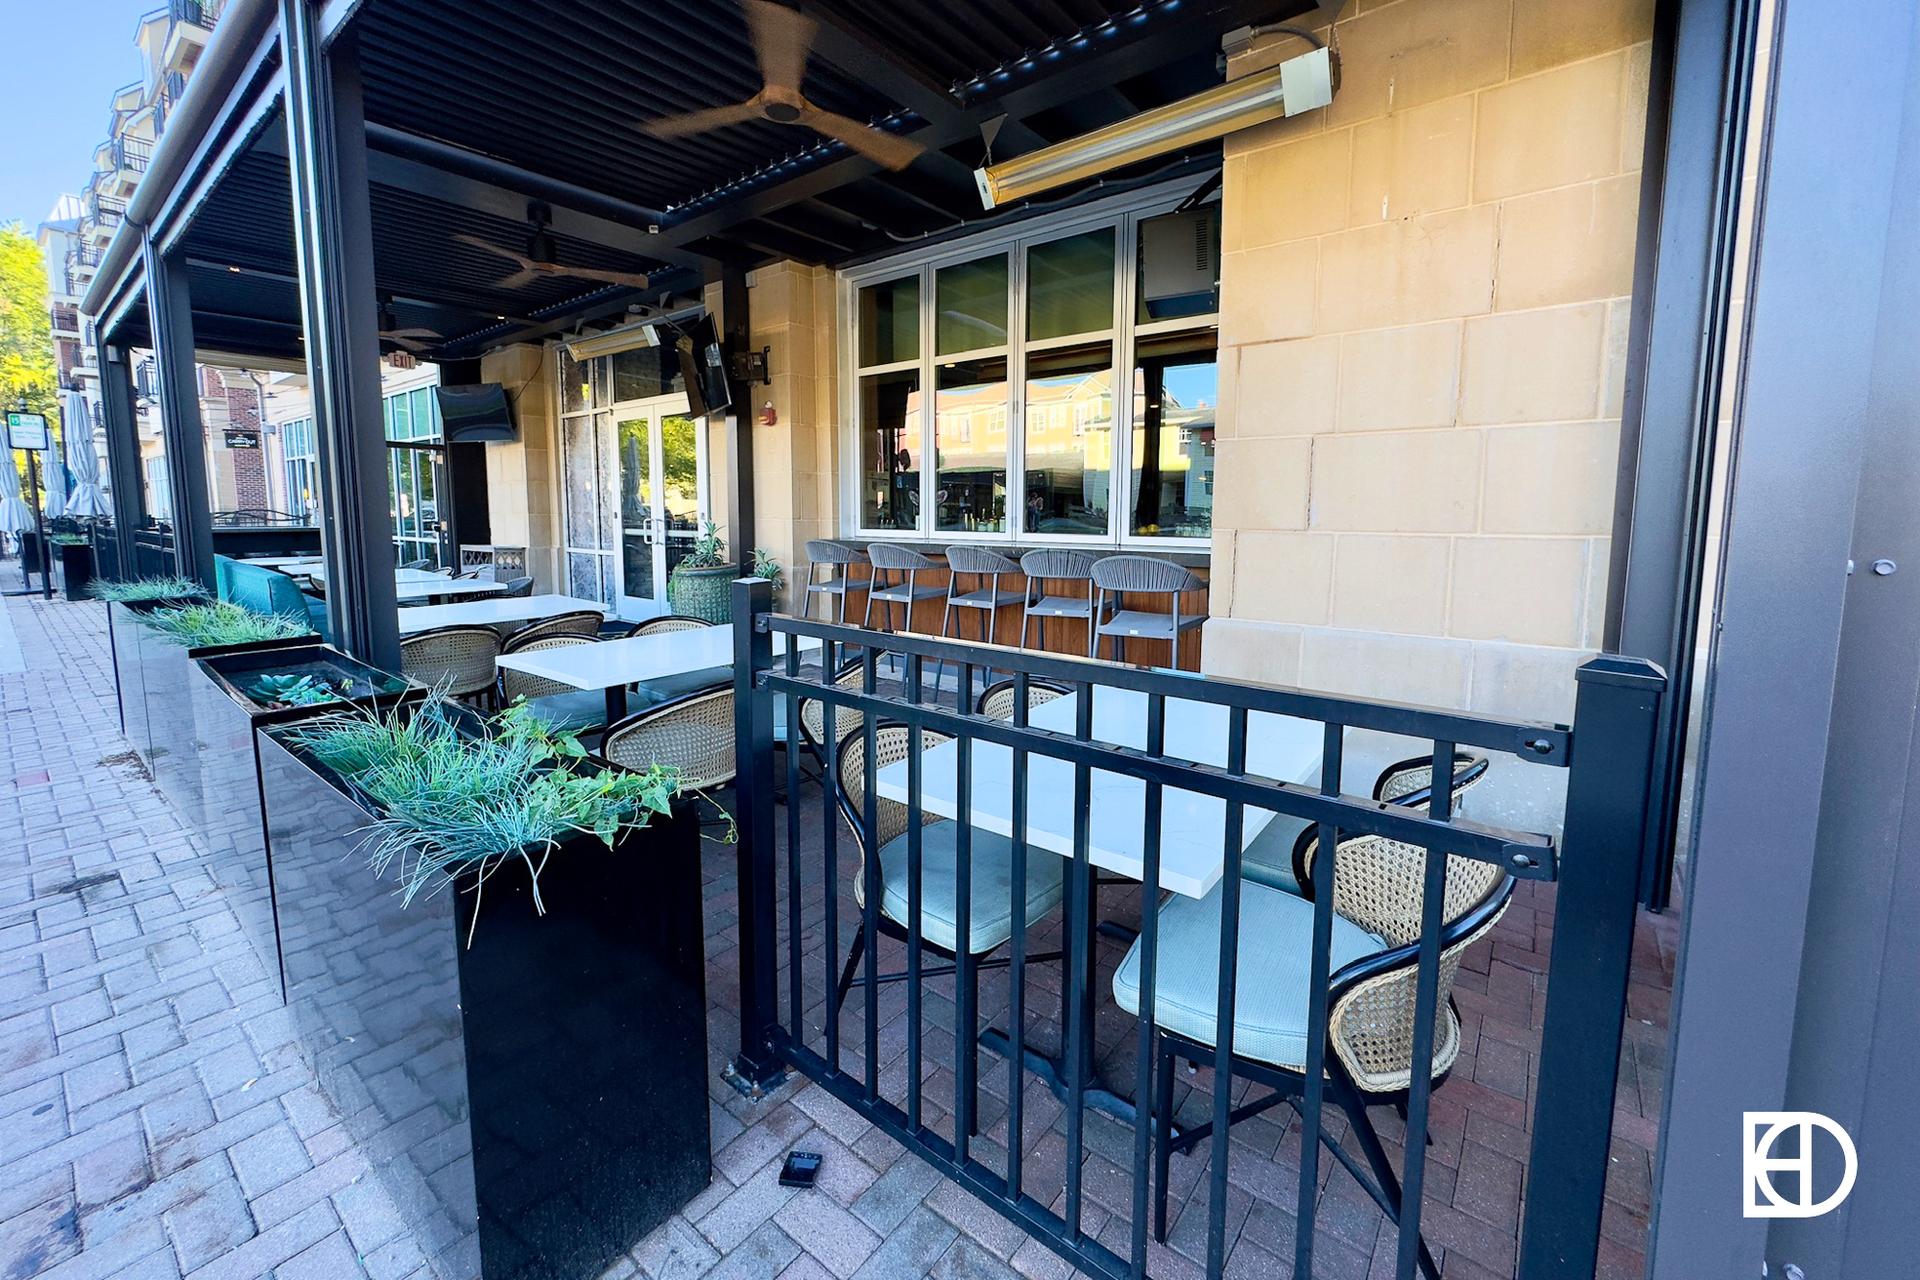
[26,327]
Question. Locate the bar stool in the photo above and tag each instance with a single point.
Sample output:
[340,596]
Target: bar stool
[1120,575]
[978,562]
[831,555]
[1055,565]
[891,558]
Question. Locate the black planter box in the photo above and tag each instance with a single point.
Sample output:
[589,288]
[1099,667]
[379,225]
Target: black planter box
[176,751]
[232,809]
[536,1103]
[76,569]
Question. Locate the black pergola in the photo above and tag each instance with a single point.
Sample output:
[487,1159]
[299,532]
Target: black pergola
[340,167]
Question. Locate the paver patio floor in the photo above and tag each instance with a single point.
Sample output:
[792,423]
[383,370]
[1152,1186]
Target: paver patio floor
[157,1118]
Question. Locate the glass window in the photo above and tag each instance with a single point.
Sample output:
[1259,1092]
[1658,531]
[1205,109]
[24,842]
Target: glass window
[1178,243]
[890,450]
[399,418]
[1070,286]
[890,322]
[1176,390]
[1069,439]
[970,299]
[970,445]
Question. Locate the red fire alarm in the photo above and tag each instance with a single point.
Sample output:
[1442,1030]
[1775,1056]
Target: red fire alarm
[768,417]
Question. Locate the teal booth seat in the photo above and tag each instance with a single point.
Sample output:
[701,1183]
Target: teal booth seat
[269,591]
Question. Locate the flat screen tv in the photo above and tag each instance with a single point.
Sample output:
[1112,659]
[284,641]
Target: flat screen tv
[703,368]
[476,414]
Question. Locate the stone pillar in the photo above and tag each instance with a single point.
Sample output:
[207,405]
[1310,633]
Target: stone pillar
[522,478]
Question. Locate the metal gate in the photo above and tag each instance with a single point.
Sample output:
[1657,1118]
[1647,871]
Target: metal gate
[1454,875]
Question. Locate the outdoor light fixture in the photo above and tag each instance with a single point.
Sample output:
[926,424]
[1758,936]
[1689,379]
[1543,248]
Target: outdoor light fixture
[625,338]
[1298,84]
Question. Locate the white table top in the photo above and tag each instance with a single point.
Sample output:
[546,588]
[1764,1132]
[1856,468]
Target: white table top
[283,562]
[1193,826]
[636,659]
[422,584]
[488,613]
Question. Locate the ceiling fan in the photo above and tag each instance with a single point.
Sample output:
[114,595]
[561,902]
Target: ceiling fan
[540,259]
[406,339]
[782,39]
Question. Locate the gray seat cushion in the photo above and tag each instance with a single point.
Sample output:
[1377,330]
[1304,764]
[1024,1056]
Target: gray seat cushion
[991,906]
[1268,859]
[667,688]
[1275,961]
[586,709]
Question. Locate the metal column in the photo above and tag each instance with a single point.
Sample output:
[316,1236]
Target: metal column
[1701,87]
[333,232]
[736,342]
[123,450]
[170,307]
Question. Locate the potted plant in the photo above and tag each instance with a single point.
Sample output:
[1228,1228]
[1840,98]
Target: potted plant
[126,601]
[520,926]
[698,585]
[74,553]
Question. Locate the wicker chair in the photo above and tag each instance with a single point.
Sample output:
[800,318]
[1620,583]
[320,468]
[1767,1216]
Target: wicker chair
[517,587]
[561,706]
[846,720]
[583,622]
[1050,565]
[1118,575]
[998,700]
[456,660]
[838,559]
[666,623]
[1281,856]
[990,918]
[418,564]
[1378,891]
[693,735]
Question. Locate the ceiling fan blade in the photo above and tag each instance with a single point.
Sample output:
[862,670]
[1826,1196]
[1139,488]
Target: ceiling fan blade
[701,121]
[519,279]
[631,279]
[782,40]
[498,251]
[407,344]
[888,150]
[411,333]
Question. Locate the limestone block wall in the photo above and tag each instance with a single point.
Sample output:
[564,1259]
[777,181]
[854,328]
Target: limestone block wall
[1423,330]
[523,479]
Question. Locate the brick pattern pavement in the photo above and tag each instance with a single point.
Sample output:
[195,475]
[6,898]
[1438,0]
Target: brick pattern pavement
[158,1120]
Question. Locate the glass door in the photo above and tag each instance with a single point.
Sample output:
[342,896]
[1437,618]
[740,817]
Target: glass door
[662,498]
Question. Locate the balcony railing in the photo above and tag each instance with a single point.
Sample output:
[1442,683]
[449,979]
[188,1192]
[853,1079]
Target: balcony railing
[198,13]
[80,258]
[132,154]
[66,319]
[109,211]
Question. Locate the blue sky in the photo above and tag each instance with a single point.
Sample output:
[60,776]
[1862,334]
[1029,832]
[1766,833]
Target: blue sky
[63,61]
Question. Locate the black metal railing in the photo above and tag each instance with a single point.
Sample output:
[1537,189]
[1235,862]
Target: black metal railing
[198,13]
[1616,701]
[132,154]
[80,258]
[65,318]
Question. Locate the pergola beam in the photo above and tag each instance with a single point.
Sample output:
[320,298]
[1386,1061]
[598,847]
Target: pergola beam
[170,315]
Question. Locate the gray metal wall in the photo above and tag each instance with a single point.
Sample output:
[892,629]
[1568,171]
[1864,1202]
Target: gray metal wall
[1800,957]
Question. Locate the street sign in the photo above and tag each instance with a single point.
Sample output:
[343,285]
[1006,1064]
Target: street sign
[237,439]
[27,431]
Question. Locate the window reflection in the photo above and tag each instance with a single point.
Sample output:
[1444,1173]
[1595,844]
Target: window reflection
[1070,286]
[1176,391]
[890,321]
[890,450]
[970,439]
[1069,428]
[971,298]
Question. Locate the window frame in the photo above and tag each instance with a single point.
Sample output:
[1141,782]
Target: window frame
[1123,214]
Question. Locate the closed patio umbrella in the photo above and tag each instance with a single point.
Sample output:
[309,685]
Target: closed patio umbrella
[14,515]
[85,498]
[53,485]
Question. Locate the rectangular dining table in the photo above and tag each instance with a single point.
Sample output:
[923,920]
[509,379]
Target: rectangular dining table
[1192,827]
[492,612]
[612,665]
[419,585]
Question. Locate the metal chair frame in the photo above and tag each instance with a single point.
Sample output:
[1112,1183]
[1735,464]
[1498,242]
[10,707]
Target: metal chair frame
[1054,564]
[1120,575]
[831,554]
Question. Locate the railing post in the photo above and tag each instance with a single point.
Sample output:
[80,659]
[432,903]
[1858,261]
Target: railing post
[757,1067]
[1615,714]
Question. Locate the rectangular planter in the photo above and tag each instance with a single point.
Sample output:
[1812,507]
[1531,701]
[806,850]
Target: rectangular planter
[232,808]
[127,641]
[176,751]
[76,569]
[537,1102]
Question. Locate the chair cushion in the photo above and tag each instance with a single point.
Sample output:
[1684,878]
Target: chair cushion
[1276,958]
[583,709]
[991,905]
[1268,859]
[667,688]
